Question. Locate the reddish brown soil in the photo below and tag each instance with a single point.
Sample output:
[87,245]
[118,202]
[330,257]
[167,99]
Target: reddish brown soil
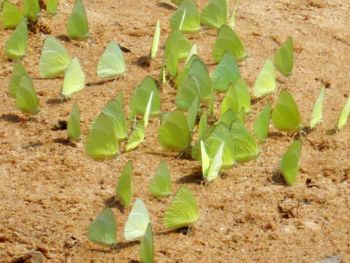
[50,190]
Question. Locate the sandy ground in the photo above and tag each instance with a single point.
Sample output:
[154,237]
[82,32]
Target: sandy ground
[50,190]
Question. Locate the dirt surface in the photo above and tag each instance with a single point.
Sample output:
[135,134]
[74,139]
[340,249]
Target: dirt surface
[50,190]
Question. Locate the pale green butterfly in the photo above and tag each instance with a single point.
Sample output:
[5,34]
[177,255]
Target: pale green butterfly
[115,109]
[74,79]
[54,58]
[194,78]
[174,133]
[228,41]
[262,122]
[179,44]
[137,136]
[237,98]
[148,110]
[183,75]
[160,185]
[141,96]
[111,62]
[316,116]
[215,13]
[52,6]
[344,115]
[11,15]
[266,81]
[147,246]
[102,142]
[202,125]
[138,220]
[226,73]
[289,164]
[213,138]
[73,123]
[199,71]
[192,52]
[78,26]
[177,47]
[192,113]
[183,210]
[211,168]
[285,114]
[187,93]
[243,97]
[284,58]
[155,43]
[186,18]
[245,146]
[229,117]
[31,9]
[16,45]
[18,72]
[123,188]
[26,98]
[103,230]
[221,134]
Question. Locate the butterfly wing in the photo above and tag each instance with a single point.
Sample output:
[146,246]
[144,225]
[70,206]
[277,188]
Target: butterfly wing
[183,210]
[103,229]
[137,222]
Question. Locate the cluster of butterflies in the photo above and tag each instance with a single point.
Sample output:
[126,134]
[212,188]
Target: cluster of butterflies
[183,211]
[220,142]
[12,15]
[54,60]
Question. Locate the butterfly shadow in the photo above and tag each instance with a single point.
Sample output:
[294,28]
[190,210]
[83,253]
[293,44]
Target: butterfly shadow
[123,245]
[277,178]
[113,202]
[194,177]
[143,61]
[32,145]
[118,246]
[65,141]
[125,49]
[60,125]
[102,250]
[56,101]
[166,6]
[185,155]
[31,256]
[161,154]
[64,38]
[99,82]
[331,131]
[183,230]
[13,118]
[256,100]
[275,134]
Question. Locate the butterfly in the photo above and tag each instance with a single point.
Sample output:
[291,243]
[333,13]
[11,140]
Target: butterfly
[290,162]
[74,78]
[124,187]
[111,62]
[211,168]
[77,26]
[160,185]
[54,58]
[183,210]
[138,221]
[103,229]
